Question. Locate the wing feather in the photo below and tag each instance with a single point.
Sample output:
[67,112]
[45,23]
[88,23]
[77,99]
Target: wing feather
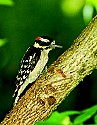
[27,64]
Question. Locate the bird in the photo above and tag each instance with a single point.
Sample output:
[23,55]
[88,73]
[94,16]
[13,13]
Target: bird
[33,63]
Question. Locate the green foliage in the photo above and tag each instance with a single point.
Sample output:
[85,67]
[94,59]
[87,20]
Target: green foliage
[85,115]
[73,7]
[88,10]
[92,2]
[2,42]
[87,13]
[64,118]
[95,118]
[6,2]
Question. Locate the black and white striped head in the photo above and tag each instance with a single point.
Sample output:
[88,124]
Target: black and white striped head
[45,42]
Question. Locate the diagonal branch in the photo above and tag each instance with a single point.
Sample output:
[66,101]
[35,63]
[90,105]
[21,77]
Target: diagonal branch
[62,76]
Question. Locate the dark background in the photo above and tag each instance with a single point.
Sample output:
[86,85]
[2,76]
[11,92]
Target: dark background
[21,21]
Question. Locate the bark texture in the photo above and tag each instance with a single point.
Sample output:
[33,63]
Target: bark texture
[62,76]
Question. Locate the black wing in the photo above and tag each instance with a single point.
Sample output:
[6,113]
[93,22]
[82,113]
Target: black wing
[27,64]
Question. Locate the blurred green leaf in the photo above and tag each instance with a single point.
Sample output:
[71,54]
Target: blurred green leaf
[93,108]
[88,113]
[87,13]
[6,2]
[95,119]
[66,121]
[2,42]
[72,7]
[47,123]
[60,116]
[93,3]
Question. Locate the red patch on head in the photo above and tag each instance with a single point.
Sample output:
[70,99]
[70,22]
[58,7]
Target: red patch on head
[38,38]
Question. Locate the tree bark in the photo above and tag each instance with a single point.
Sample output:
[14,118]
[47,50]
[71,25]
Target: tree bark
[61,78]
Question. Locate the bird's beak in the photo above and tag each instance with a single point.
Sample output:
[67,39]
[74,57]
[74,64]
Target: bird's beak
[53,46]
[58,46]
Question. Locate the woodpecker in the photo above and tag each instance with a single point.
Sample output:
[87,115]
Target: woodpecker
[33,63]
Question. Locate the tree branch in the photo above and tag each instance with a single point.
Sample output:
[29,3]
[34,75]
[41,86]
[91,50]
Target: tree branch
[62,76]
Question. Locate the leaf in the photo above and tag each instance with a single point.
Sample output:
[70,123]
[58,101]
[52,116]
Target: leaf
[87,17]
[93,2]
[59,117]
[88,113]
[47,123]
[2,42]
[95,119]
[66,121]
[6,2]
[93,108]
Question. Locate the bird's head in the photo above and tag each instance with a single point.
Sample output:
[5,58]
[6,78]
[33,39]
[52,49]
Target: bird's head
[45,42]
